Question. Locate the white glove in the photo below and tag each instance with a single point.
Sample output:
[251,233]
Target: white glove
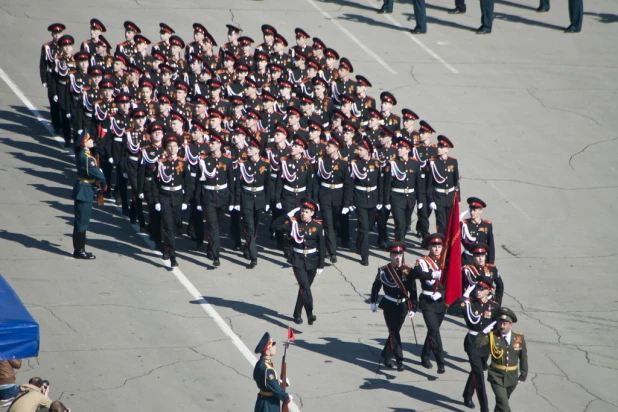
[80,131]
[319,271]
[318,207]
[345,210]
[126,176]
[436,296]
[411,314]
[352,208]
[68,115]
[140,196]
[111,160]
[374,307]
[436,274]
[520,382]
[158,207]
[293,212]
[287,382]
[267,208]
[199,208]
[56,99]
[290,397]
[420,206]
[184,206]
[230,208]
[468,291]
[45,85]
[237,208]
[388,207]
[379,207]
[433,206]
[279,206]
[489,328]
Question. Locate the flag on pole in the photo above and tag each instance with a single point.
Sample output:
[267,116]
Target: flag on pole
[291,337]
[451,256]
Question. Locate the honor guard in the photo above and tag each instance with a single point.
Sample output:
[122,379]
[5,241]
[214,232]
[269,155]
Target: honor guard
[424,151]
[363,103]
[386,152]
[508,354]
[197,46]
[194,150]
[214,192]
[403,185]
[77,83]
[96,28]
[479,312]
[275,152]
[164,47]
[400,300]
[367,194]
[269,33]
[253,179]
[443,183]
[332,188]
[301,43]
[141,58]
[265,376]
[477,230]
[307,253]
[129,47]
[64,64]
[479,266]
[391,120]
[88,176]
[47,66]
[136,140]
[342,84]
[232,46]
[431,301]
[295,177]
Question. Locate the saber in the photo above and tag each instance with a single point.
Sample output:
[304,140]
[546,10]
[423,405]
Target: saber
[414,330]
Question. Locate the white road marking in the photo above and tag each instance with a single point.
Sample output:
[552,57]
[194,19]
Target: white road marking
[353,37]
[208,308]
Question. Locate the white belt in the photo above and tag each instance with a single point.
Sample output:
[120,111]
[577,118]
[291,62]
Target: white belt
[294,189]
[394,300]
[405,191]
[253,189]
[171,188]
[427,292]
[193,174]
[273,175]
[215,187]
[331,185]
[422,175]
[305,251]
[446,191]
[117,139]
[88,114]
[148,178]
[366,188]
[473,332]
[134,158]
[61,82]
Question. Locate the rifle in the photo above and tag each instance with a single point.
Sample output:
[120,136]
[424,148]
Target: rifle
[284,384]
[97,185]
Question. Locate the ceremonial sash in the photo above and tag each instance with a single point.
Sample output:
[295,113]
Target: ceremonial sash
[396,173]
[357,173]
[395,277]
[436,175]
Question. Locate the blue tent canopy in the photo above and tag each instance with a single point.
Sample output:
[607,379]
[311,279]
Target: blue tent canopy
[19,332]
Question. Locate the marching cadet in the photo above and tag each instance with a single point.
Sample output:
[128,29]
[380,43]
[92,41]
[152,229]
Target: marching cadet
[479,312]
[443,183]
[431,301]
[477,230]
[164,47]
[318,48]
[214,125]
[116,142]
[141,58]
[136,139]
[209,58]
[236,87]
[316,147]
[286,99]
[163,113]
[322,103]
[96,28]
[409,132]
[129,46]
[232,46]
[424,151]
[342,84]
[47,66]
[386,152]
[193,75]
[307,252]
[295,179]
[216,102]
[165,85]
[238,152]
[332,189]
[403,185]
[301,44]
[253,177]
[102,55]
[175,186]
[330,73]
[201,110]
[78,81]
[508,352]
[348,149]
[253,126]
[367,194]
[260,75]
[152,151]
[269,33]
[214,192]
[246,57]
[400,299]
[275,152]
[372,129]
[269,118]
[279,55]
[237,117]
[197,46]
[265,376]
[362,101]
[64,64]
[311,72]
[347,100]
[158,60]
[274,74]
[91,94]
[103,109]
[252,100]
[119,75]
[309,114]
[298,72]
[177,64]
[294,115]
[134,74]
[181,105]
[194,150]
[391,120]
[479,266]
[88,176]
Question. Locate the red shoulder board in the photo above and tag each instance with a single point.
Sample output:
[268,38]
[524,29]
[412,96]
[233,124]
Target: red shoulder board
[487,221]
[317,221]
[265,160]
[161,158]
[491,265]
[284,158]
[226,155]
[465,221]
[394,114]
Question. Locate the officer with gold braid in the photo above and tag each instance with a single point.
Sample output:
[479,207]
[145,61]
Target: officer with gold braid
[265,376]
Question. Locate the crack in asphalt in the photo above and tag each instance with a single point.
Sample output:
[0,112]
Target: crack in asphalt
[412,74]
[586,147]
[128,307]
[536,389]
[219,362]
[57,317]
[587,355]
[523,182]
[348,281]
[538,99]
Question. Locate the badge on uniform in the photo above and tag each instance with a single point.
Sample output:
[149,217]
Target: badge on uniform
[271,376]
[486,314]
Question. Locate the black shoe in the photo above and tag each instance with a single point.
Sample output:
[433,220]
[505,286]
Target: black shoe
[384,11]
[457,10]
[333,259]
[485,367]
[298,321]
[198,248]
[209,255]
[542,9]
[143,229]
[469,403]
[399,366]
[571,29]
[173,262]
[416,30]
[253,264]
[441,369]
[216,262]
[365,261]
[165,256]
[245,254]
[311,319]
[286,254]
[426,363]
[483,30]
[388,363]
[81,254]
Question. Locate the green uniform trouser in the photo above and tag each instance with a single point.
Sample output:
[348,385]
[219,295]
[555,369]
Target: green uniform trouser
[83,212]
[502,397]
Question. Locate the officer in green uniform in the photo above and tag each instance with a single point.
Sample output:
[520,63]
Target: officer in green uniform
[88,173]
[508,349]
[265,376]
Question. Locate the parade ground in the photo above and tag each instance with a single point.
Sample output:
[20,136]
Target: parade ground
[532,114]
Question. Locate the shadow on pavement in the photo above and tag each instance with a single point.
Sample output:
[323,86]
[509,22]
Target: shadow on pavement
[414,392]
[32,243]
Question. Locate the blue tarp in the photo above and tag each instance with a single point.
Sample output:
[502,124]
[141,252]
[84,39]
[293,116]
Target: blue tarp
[19,332]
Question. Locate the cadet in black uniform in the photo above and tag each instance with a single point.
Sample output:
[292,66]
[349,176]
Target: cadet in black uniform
[431,300]
[88,174]
[391,120]
[295,177]
[115,146]
[400,299]
[479,266]
[424,151]
[129,46]
[175,186]
[214,192]
[164,47]
[96,28]
[47,65]
[136,138]
[275,152]
[479,312]
[265,376]
[194,150]
[307,252]
[65,63]
[386,152]
[269,33]
[253,179]
[477,230]
[443,183]
[78,80]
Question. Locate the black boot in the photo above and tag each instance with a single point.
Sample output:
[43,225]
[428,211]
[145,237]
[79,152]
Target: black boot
[80,252]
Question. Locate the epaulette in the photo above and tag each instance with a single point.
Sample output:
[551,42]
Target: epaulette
[162,159]
[284,158]
[406,265]
[465,221]
[265,160]
[241,160]
[394,114]
[98,101]
[487,221]
[145,147]
[317,221]
[182,159]
[226,155]
[491,265]
[323,141]
[517,333]
[342,158]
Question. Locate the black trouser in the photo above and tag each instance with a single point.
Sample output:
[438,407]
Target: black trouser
[214,217]
[364,216]
[235,227]
[476,378]
[576,13]
[383,216]
[388,5]
[196,222]
[305,298]
[65,122]
[422,224]
[433,341]
[420,14]
[442,214]
[155,224]
[460,4]
[344,227]
[329,216]
[544,4]
[107,169]
[136,210]
[120,188]
[402,215]
[54,108]
[394,316]
[77,115]
[251,219]
[171,208]
[487,13]
[276,213]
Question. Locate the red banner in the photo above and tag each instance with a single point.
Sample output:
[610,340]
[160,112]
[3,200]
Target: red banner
[451,256]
